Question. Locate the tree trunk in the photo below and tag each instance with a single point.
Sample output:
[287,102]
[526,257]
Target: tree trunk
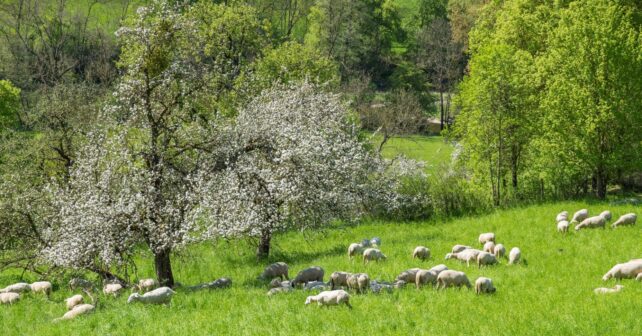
[263,250]
[600,183]
[163,268]
[441,107]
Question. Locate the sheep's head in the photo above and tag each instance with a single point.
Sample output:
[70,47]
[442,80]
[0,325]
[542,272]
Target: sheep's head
[450,256]
[383,256]
[308,300]
[133,297]
[607,276]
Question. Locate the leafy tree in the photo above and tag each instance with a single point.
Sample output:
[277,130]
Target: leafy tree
[9,105]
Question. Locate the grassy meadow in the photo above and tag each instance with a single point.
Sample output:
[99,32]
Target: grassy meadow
[433,150]
[550,295]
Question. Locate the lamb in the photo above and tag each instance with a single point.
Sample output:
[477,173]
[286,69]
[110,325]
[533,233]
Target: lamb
[628,219]
[489,247]
[78,283]
[591,223]
[486,237]
[562,226]
[408,275]
[373,254]
[580,215]
[314,273]
[218,283]
[562,216]
[465,255]
[450,278]
[603,290]
[606,214]
[484,285]
[9,298]
[162,295]
[354,249]
[627,270]
[113,289]
[41,287]
[421,252]
[499,251]
[19,287]
[339,279]
[278,269]
[485,258]
[360,282]
[514,256]
[330,298]
[78,310]
[458,248]
[74,301]
[145,285]
[277,290]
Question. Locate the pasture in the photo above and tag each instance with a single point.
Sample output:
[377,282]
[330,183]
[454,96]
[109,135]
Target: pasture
[551,294]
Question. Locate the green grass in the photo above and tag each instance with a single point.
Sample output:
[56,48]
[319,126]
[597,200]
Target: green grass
[430,149]
[552,295]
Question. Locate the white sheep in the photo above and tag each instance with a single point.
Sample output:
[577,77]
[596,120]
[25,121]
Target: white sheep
[562,226]
[603,290]
[562,216]
[330,298]
[484,285]
[377,287]
[628,219]
[485,258]
[74,301]
[627,270]
[591,223]
[486,237]
[458,248]
[408,275]
[466,255]
[606,214]
[373,254]
[277,290]
[639,277]
[426,276]
[489,247]
[19,287]
[580,215]
[514,256]
[145,285]
[421,252]
[316,286]
[162,295]
[499,251]
[113,289]
[78,283]
[9,298]
[41,287]
[278,269]
[359,282]
[338,279]
[314,273]
[78,310]
[354,249]
[439,268]
[450,278]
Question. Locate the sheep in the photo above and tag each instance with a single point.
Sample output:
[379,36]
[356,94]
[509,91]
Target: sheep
[580,215]
[330,298]
[41,287]
[606,214]
[514,256]
[484,285]
[354,249]
[376,241]
[627,270]
[399,284]
[628,219]
[218,283]
[499,251]
[359,282]
[377,287]
[277,290]
[314,273]
[408,275]
[603,290]
[373,254]
[278,269]
[439,268]
[449,278]
[562,216]
[9,298]
[145,285]
[425,276]
[315,285]
[639,277]
[421,252]
[365,242]
[464,256]
[78,310]
[339,279]
[74,301]
[591,223]
[486,237]
[19,287]
[78,283]
[485,258]
[275,283]
[113,289]
[562,226]
[162,295]
[489,247]
[458,248]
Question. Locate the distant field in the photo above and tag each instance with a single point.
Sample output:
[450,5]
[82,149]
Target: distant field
[551,295]
[433,150]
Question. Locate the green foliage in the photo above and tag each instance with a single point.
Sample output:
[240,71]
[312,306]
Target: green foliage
[9,105]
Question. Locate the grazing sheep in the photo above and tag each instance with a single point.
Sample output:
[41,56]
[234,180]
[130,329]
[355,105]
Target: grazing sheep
[499,251]
[489,247]
[78,310]
[338,279]
[113,289]
[9,298]
[354,249]
[278,269]
[365,242]
[399,284]
[425,276]
[484,285]
[145,285]
[603,290]
[78,283]
[514,256]
[360,282]
[562,216]
[278,290]
[464,256]
[376,241]
[485,258]
[330,298]
[41,287]
[421,252]
[458,248]
[628,219]
[162,295]
[216,284]
[450,278]
[606,214]
[373,254]
[19,287]
[275,283]
[591,223]
[580,215]
[639,277]
[486,237]
[314,273]
[627,270]
[562,226]
[408,275]
[74,301]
